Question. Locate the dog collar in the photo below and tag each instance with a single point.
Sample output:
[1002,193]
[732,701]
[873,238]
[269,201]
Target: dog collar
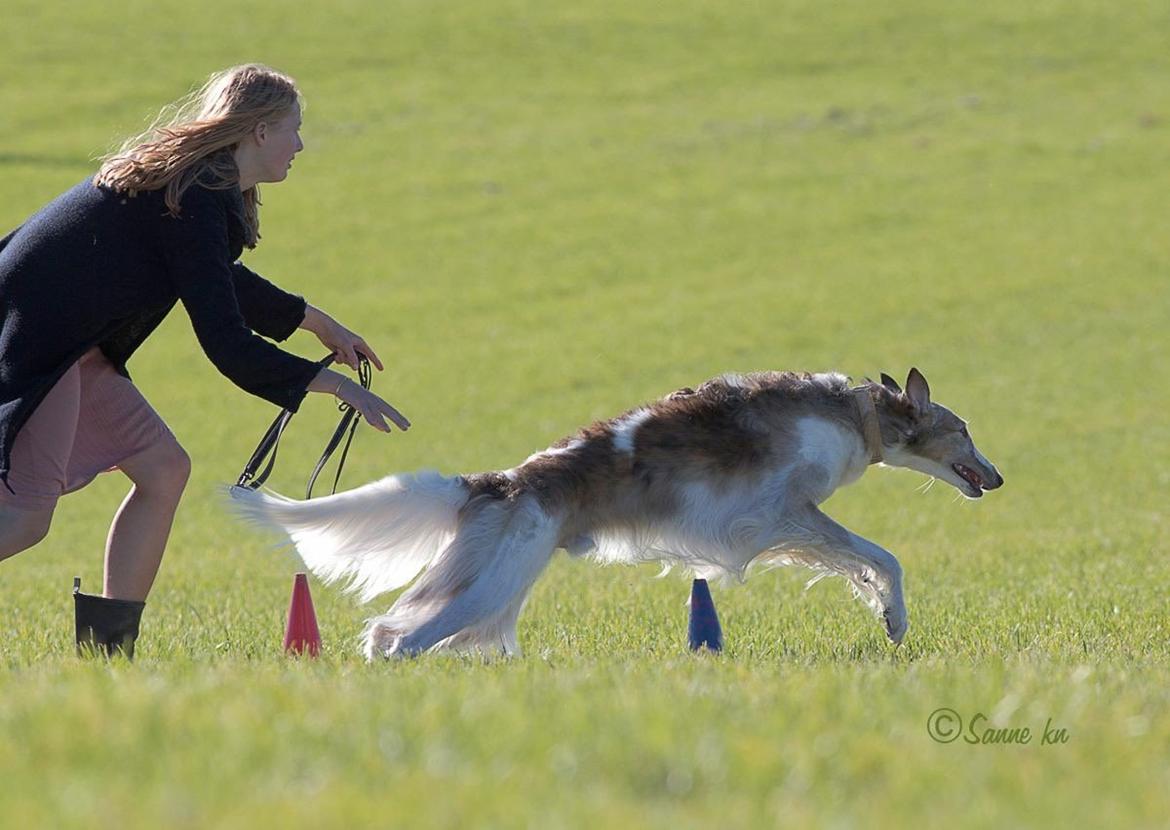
[871,432]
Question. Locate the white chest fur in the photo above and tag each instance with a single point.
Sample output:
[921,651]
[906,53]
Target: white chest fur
[837,451]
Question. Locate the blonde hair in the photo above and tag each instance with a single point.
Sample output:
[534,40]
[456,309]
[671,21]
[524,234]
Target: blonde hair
[193,139]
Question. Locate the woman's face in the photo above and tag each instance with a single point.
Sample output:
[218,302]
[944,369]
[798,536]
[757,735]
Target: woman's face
[281,142]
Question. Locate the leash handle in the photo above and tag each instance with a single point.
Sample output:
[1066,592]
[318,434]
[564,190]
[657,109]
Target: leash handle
[349,419]
[253,478]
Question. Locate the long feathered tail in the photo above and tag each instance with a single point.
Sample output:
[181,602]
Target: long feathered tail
[377,536]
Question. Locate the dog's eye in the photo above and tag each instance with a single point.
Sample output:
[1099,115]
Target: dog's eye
[963,431]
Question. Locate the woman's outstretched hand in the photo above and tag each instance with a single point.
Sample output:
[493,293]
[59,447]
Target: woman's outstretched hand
[345,344]
[372,408]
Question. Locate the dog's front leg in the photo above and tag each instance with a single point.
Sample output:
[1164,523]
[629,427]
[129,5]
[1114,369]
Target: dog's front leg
[893,604]
[873,570]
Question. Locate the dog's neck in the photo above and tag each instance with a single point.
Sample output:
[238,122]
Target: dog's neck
[871,431]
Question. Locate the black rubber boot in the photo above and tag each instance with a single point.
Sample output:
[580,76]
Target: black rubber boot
[105,626]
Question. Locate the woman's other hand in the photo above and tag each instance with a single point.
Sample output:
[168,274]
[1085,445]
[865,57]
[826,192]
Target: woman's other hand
[345,344]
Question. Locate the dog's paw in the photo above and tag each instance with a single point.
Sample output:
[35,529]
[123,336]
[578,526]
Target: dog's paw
[381,642]
[896,625]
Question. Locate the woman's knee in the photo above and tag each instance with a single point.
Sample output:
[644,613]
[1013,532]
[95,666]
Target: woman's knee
[163,469]
[174,468]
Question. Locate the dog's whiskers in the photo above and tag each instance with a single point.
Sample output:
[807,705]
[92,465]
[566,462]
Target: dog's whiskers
[925,486]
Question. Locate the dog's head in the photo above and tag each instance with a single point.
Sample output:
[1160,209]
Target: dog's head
[925,436]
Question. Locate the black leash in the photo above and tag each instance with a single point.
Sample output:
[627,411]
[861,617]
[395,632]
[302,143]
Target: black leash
[253,480]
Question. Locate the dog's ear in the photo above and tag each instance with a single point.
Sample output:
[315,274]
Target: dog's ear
[918,391]
[891,384]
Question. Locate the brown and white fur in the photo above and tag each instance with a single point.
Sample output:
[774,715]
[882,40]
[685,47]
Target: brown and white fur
[712,479]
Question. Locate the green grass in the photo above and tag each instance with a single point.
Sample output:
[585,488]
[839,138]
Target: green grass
[544,213]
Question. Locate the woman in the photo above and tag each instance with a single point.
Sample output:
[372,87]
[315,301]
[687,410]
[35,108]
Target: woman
[87,279]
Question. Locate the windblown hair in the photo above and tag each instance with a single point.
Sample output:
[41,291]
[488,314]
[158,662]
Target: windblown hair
[193,139]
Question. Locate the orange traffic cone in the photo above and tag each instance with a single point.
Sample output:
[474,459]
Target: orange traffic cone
[302,634]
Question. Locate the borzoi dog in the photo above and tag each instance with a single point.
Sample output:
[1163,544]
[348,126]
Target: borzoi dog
[712,479]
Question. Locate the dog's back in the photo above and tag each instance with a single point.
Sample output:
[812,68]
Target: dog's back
[619,485]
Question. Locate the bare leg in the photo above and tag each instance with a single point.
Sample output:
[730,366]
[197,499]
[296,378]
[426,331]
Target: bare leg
[21,529]
[42,450]
[138,535]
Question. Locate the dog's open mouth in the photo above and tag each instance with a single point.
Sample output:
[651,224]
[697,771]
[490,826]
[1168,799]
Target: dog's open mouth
[971,477]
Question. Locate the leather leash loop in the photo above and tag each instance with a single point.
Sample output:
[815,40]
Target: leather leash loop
[253,477]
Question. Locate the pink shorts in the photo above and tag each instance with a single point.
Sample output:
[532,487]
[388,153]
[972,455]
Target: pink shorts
[91,421]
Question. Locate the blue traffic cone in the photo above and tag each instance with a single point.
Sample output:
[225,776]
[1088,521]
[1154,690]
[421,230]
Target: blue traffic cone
[704,630]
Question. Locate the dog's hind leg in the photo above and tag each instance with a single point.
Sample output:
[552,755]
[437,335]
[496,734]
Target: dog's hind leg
[497,634]
[505,633]
[490,599]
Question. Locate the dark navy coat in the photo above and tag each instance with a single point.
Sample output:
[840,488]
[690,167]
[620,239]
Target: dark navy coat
[99,268]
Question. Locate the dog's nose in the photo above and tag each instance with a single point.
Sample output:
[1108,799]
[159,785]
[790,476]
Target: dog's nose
[996,482]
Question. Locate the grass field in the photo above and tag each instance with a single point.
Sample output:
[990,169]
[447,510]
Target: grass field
[544,213]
